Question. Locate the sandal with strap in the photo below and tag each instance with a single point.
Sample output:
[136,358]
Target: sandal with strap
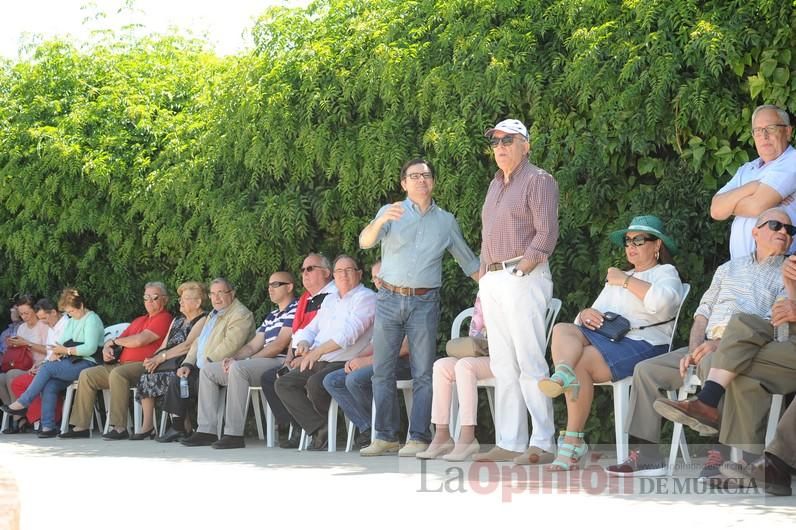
[569,456]
[563,379]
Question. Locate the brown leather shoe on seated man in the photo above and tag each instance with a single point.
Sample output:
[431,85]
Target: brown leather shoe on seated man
[692,412]
[768,470]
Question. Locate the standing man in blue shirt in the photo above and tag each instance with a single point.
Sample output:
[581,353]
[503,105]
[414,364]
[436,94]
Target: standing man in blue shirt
[414,235]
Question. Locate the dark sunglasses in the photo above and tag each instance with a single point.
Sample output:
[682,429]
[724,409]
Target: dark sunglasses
[638,241]
[311,268]
[776,226]
[506,140]
[274,285]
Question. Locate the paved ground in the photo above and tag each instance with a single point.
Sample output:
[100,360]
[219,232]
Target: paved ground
[93,484]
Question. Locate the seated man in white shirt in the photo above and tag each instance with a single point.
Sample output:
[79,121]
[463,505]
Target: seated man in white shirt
[340,331]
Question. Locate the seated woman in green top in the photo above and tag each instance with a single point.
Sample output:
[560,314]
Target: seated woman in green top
[84,332]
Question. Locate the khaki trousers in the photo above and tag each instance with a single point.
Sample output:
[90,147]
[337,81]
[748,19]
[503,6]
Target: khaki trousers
[765,367]
[116,377]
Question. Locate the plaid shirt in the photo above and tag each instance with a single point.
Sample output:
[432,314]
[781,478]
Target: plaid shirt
[520,218]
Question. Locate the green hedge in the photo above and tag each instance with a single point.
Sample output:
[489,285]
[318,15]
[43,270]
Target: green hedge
[150,158]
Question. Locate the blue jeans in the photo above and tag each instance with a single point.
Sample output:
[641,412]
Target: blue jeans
[52,379]
[415,317]
[354,391]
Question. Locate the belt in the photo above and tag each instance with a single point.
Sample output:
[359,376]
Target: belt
[500,265]
[405,291]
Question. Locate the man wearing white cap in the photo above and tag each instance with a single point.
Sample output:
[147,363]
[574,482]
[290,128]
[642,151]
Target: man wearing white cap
[520,230]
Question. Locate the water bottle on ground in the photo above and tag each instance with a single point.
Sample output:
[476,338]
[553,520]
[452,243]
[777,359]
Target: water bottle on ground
[783,330]
[183,387]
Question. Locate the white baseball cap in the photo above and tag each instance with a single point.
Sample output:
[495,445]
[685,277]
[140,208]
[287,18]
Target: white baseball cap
[509,126]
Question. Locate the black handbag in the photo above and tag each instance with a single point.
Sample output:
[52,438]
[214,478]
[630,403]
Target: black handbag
[615,326]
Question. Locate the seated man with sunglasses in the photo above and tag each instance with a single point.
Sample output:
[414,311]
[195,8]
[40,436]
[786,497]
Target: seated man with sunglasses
[243,369]
[138,342]
[748,285]
[763,183]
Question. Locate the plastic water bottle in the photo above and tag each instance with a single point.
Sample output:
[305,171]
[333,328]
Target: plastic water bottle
[783,330]
[184,387]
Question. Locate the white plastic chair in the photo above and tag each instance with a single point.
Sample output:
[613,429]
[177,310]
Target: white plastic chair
[678,436]
[331,419]
[551,314]
[621,390]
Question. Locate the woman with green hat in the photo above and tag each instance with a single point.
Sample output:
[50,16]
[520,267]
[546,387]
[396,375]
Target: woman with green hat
[648,296]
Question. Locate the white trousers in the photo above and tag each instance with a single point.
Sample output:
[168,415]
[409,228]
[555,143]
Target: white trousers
[514,309]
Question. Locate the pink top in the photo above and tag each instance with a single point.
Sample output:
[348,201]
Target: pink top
[520,218]
[36,334]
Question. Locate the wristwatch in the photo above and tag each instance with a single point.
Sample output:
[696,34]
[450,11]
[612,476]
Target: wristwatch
[517,272]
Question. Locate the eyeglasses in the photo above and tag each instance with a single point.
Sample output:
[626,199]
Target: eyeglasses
[219,293]
[776,226]
[347,270]
[151,297]
[274,285]
[494,141]
[768,129]
[638,241]
[417,176]
[311,268]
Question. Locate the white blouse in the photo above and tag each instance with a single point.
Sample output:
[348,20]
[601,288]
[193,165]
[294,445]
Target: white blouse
[659,304]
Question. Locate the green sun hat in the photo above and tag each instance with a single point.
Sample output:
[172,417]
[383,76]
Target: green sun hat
[649,224]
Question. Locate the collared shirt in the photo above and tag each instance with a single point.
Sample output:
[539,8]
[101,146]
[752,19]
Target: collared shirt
[201,342]
[54,334]
[276,320]
[741,285]
[307,308]
[520,218]
[347,320]
[780,174]
[412,247]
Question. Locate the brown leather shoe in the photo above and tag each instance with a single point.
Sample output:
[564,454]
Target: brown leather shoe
[704,419]
[766,470]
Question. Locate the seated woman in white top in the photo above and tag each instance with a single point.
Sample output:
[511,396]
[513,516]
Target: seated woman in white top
[29,333]
[648,296]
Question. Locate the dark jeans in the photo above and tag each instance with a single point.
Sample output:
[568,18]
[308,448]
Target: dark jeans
[174,404]
[304,395]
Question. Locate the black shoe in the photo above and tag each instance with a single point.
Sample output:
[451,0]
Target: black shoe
[320,440]
[363,439]
[14,412]
[48,433]
[113,434]
[85,433]
[293,441]
[171,435]
[199,439]
[144,435]
[229,442]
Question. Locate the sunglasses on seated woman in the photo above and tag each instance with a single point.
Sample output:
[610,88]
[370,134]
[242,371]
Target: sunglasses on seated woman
[639,241]
[776,226]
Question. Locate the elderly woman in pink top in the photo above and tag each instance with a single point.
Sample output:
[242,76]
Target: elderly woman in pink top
[465,374]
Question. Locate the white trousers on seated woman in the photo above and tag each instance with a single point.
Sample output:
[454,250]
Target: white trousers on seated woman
[514,309]
[464,373]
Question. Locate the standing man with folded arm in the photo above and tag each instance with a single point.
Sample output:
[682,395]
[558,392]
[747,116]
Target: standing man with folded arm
[520,230]
[414,235]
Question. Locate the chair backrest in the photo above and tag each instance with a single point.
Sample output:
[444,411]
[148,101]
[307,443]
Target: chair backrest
[456,327]
[112,332]
[686,290]
[549,319]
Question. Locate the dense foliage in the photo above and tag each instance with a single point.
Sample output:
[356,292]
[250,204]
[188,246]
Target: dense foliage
[149,158]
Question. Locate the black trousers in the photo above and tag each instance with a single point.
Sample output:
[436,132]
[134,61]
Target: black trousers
[305,397]
[174,404]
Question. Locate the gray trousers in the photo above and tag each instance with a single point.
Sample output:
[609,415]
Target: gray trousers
[242,374]
[784,443]
[6,394]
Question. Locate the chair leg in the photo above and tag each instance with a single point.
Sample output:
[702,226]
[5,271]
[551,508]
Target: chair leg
[164,416]
[621,402]
[349,444]
[454,425]
[490,397]
[67,409]
[303,441]
[331,420]
[773,417]
[270,425]
[137,412]
[258,413]
[678,436]
[6,421]
[373,421]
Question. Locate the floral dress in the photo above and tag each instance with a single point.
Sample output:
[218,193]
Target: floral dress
[154,385]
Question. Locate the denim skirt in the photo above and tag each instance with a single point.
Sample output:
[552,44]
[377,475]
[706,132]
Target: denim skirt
[623,356]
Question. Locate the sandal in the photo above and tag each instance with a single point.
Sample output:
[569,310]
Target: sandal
[569,456]
[563,379]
